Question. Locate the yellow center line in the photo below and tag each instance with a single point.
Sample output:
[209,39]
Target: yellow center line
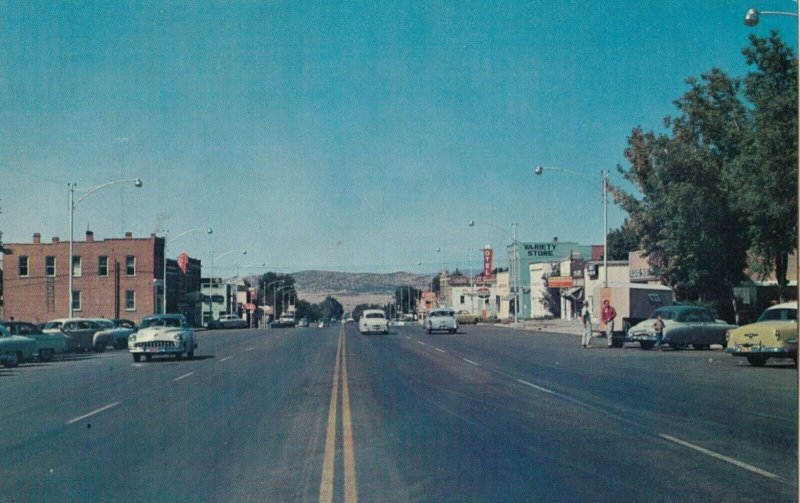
[350,495]
[326,486]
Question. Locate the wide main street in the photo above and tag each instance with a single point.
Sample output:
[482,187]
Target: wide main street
[488,414]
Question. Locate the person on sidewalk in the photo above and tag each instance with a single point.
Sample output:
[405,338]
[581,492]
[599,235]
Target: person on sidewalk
[586,318]
[658,328]
[608,314]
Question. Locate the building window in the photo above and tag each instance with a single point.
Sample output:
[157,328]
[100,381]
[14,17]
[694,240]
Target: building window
[462,300]
[102,266]
[130,265]
[130,300]
[50,267]
[76,300]
[76,266]
[23,266]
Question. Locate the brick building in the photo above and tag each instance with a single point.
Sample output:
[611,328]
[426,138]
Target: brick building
[112,278]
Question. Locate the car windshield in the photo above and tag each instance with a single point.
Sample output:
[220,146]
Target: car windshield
[374,315]
[778,314]
[442,313]
[161,322]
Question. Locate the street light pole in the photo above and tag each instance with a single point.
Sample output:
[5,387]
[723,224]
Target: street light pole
[513,272]
[137,182]
[604,190]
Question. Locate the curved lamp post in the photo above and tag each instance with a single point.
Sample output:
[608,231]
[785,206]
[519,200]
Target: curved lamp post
[604,189]
[137,182]
[208,230]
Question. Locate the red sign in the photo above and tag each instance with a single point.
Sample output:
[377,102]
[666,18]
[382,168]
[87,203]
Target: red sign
[183,259]
[484,293]
[559,282]
[250,307]
[487,263]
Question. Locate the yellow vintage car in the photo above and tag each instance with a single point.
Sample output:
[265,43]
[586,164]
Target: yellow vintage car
[773,335]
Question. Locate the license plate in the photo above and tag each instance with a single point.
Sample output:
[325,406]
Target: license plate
[152,350]
[745,349]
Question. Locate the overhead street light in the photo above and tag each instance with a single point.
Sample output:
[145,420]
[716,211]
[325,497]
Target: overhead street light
[137,182]
[604,189]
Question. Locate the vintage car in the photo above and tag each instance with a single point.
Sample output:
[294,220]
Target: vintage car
[683,326]
[81,333]
[47,344]
[15,348]
[465,317]
[373,321]
[112,332]
[227,321]
[773,335]
[163,335]
[441,319]
[285,321]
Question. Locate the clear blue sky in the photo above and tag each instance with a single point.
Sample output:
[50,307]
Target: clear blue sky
[356,136]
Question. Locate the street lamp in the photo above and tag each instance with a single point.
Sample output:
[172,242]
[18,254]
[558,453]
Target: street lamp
[274,299]
[208,230]
[137,182]
[604,189]
[211,277]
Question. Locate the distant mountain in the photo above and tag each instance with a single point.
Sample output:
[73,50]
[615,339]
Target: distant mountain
[357,283]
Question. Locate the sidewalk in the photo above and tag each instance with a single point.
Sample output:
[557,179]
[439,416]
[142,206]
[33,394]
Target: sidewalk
[570,327]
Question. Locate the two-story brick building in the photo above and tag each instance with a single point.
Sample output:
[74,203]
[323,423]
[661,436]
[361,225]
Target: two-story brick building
[112,278]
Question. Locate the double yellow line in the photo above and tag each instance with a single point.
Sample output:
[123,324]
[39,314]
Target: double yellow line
[328,461]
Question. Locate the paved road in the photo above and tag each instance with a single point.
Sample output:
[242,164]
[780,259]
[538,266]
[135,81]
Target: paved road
[490,414]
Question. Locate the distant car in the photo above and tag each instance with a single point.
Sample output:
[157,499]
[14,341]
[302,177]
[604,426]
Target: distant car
[773,335]
[302,323]
[109,331]
[441,319]
[373,321]
[228,321]
[683,326]
[47,345]
[464,317]
[163,335]
[81,333]
[15,348]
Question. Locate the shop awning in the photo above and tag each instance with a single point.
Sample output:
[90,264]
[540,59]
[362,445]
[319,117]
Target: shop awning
[574,293]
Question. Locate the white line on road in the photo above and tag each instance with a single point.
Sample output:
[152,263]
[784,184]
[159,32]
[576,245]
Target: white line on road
[471,362]
[249,349]
[526,383]
[184,376]
[720,456]
[440,350]
[101,409]
[225,359]
[420,343]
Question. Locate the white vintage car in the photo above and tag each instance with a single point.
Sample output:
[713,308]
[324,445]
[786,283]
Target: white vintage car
[373,321]
[442,319]
[163,334]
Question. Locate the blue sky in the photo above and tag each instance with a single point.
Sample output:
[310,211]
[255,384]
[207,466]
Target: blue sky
[356,136]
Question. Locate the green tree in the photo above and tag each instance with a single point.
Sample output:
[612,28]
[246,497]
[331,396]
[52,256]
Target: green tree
[406,297]
[622,241]
[764,176]
[331,308]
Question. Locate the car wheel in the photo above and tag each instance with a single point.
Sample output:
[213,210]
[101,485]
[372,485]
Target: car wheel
[12,359]
[646,344]
[617,343]
[190,354]
[756,360]
[137,357]
[45,355]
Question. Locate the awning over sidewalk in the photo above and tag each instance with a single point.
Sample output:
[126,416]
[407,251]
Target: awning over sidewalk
[574,293]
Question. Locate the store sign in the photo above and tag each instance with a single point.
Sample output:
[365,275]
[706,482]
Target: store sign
[487,263]
[183,259]
[559,282]
[483,293]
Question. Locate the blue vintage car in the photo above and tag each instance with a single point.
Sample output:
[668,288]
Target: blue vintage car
[15,348]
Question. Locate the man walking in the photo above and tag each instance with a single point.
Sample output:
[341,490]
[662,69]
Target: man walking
[608,314]
[586,318]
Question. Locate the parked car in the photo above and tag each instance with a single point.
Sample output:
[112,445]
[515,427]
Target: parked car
[285,321]
[773,335]
[227,321]
[15,348]
[464,317]
[46,346]
[302,323]
[441,319]
[163,334]
[80,333]
[110,331]
[373,321]
[683,325]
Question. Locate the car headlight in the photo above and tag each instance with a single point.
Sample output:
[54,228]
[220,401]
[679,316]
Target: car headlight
[177,337]
[132,338]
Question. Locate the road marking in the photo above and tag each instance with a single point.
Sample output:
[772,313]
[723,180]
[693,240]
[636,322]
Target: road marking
[249,349]
[347,435]
[713,454]
[225,359]
[184,376]
[471,362]
[420,343]
[408,337]
[440,350]
[326,486]
[98,411]
[526,383]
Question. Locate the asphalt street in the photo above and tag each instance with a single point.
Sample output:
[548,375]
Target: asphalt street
[488,414]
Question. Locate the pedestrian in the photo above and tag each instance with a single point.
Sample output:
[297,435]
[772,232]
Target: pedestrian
[586,318]
[658,328]
[608,314]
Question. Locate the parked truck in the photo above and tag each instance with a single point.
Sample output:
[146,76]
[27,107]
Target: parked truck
[633,302]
